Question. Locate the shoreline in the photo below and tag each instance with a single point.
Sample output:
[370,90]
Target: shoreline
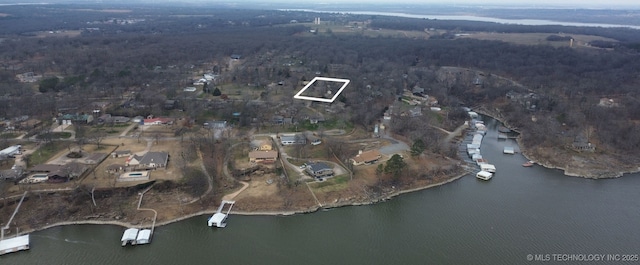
[566,171]
[256,213]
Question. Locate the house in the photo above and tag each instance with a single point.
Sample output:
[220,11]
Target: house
[215,124]
[95,158]
[75,118]
[133,160]
[235,56]
[277,120]
[415,112]
[107,118]
[581,146]
[60,173]
[115,168]
[315,120]
[158,121]
[11,174]
[265,146]
[154,160]
[169,104]
[366,157]
[291,139]
[319,170]
[189,89]
[138,119]
[263,156]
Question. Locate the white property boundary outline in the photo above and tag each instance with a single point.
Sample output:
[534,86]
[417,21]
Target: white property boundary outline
[318,78]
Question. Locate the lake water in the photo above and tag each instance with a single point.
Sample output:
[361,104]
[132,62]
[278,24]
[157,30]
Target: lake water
[519,212]
[528,22]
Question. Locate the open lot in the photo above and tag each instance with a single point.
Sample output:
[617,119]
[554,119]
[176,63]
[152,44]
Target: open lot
[535,38]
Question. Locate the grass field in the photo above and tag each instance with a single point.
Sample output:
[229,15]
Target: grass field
[336,183]
[535,38]
[45,152]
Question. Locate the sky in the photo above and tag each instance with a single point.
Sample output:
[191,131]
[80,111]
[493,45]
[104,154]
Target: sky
[600,4]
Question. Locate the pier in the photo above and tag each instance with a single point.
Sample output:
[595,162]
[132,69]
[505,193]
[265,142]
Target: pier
[17,243]
[218,219]
[135,236]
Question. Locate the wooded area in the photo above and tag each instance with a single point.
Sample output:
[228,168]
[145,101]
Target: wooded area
[155,51]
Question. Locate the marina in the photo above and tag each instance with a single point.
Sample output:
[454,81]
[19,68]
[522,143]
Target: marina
[219,218]
[479,130]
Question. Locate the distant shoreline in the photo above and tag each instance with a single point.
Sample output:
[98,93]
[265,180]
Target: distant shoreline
[526,22]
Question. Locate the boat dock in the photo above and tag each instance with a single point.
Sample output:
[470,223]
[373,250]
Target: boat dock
[16,243]
[218,219]
[473,142]
[135,236]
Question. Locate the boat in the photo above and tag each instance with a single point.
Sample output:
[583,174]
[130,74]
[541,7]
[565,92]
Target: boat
[484,175]
[488,167]
[528,163]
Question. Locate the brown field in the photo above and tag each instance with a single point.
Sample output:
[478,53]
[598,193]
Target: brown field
[64,33]
[104,10]
[535,38]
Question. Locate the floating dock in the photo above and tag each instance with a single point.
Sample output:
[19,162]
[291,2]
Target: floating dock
[14,244]
[219,218]
[129,237]
[17,243]
[144,237]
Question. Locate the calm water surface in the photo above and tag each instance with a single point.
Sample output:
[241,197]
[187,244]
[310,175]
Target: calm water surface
[520,211]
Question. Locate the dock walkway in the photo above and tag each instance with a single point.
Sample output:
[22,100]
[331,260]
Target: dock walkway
[218,219]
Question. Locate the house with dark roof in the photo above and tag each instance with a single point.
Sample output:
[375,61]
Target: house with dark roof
[60,173]
[75,118]
[319,170]
[291,139]
[154,160]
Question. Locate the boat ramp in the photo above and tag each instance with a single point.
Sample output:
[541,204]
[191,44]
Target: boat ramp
[219,218]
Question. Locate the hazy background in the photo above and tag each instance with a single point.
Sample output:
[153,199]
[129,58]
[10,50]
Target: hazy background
[614,4]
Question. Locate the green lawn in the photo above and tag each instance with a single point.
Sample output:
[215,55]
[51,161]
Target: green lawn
[9,135]
[55,135]
[45,152]
[332,184]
